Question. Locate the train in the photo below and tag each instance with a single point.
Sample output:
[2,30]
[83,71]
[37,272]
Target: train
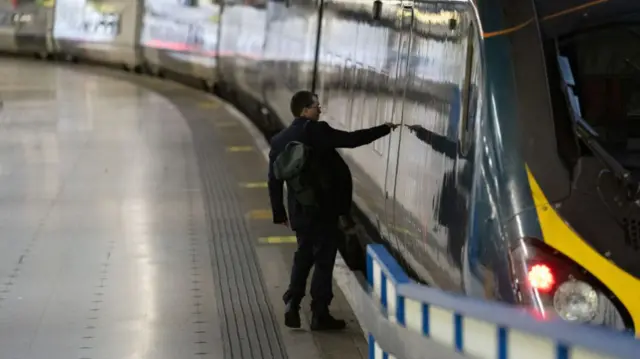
[513,177]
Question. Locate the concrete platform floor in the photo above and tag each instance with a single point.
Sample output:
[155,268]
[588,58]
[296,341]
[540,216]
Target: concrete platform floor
[135,224]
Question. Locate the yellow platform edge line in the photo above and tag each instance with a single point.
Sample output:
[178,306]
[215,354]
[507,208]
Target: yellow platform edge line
[259,214]
[208,104]
[253,184]
[239,148]
[277,239]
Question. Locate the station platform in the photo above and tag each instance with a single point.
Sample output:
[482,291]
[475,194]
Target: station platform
[135,223]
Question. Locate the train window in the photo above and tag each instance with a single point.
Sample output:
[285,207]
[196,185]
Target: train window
[469,93]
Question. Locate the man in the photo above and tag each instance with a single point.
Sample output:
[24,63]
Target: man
[317,232]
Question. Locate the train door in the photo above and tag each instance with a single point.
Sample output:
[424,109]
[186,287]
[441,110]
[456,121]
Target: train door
[405,32]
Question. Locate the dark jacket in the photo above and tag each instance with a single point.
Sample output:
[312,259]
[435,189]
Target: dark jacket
[324,140]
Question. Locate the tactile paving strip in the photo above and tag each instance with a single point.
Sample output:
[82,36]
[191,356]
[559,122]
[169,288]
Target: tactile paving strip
[249,327]
[93,315]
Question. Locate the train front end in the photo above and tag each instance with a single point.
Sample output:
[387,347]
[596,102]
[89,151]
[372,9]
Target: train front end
[576,76]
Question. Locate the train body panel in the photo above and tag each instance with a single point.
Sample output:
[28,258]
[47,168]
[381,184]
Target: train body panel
[289,53]
[241,49]
[486,179]
[22,27]
[181,39]
[563,173]
[431,187]
[106,32]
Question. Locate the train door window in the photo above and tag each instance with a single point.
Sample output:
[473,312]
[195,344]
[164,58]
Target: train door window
[358,98]
[281,65]
[289,63]
[344,75]
[346,92]
[470,91]
[354,90]
[338,95]
[375,116]
[369,99]
[335,79]
[385,109]
[365,95]
[405,44]
[284,47]
[292,71]
[325,74]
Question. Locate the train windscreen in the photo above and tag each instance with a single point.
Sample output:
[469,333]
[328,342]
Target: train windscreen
[596,96]
[605,63]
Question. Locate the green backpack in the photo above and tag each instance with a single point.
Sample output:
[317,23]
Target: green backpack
[301,173]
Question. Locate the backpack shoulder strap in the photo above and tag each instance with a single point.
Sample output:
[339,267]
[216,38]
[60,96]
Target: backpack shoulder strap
[306,134]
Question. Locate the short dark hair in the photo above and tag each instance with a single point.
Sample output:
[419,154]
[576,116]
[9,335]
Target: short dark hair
[300,100]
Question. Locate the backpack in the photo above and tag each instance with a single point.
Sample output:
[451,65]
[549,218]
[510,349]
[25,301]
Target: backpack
[303,175]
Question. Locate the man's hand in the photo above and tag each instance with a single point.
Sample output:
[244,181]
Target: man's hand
[391,125]
[414,128]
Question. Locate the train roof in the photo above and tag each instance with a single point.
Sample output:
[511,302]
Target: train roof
[562,17]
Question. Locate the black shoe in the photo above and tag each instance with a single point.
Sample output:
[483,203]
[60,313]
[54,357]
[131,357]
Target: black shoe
[326,322]
[292,315]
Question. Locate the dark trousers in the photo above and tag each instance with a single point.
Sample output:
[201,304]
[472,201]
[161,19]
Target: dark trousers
[317,247]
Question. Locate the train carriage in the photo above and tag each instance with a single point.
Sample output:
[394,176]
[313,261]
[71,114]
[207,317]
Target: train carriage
[478,193]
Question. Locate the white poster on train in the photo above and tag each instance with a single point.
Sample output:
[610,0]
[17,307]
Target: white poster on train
[182,26]
[24,24]
[83,20]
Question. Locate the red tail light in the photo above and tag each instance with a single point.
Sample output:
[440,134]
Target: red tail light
[541,277]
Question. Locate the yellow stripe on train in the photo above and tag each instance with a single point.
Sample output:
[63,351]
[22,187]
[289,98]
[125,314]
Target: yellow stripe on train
[560,236]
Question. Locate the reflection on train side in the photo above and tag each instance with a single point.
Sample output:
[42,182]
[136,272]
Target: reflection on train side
[181,36]
[425,187]
[242,38]
[417,179]
[84,21]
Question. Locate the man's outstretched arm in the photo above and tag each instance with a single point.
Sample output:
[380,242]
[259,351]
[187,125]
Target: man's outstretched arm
[329,137]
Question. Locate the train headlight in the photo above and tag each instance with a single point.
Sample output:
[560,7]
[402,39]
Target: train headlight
[550,282]
[576,301]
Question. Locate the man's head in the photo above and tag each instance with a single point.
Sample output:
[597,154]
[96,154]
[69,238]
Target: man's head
[305,104]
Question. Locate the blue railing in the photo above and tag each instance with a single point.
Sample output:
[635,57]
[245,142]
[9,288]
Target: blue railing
[459,326]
